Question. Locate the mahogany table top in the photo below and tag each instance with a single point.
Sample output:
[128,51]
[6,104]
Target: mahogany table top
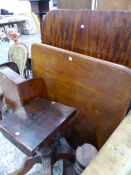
[35,123]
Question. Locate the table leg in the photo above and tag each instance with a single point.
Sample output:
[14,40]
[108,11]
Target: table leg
[47,166]
[67,167]
[28,164]
[65,151]
[45,155]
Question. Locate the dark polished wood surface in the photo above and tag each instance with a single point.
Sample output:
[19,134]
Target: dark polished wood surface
[100,91]
[8,82]
[101,34]
[35,123]
[30,89]
[17,90]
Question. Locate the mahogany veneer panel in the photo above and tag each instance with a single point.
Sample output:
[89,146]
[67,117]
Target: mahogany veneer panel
[99,90]
[35,122]
[101,34]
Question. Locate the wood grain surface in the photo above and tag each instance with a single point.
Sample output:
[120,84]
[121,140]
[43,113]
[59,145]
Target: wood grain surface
[99,90]
[35,123]
[101,34]
[8,82]
[19,91]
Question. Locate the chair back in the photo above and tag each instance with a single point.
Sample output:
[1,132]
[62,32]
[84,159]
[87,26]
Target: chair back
[18,54]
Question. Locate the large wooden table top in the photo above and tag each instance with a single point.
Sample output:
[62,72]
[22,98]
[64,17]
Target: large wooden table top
[35,123]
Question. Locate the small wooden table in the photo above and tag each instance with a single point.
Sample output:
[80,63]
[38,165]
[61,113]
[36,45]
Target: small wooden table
[10,22]
[33,126]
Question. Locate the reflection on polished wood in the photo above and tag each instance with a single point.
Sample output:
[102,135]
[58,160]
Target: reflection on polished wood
[100,90]
[40,118]
[101,34]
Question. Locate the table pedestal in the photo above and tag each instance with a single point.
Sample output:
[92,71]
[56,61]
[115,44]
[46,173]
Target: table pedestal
[48,156]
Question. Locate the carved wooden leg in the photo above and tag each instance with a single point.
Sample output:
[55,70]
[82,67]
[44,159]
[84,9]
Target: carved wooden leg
[47,166]
[28,164]
[45,154]
[67,168]
[65,151]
